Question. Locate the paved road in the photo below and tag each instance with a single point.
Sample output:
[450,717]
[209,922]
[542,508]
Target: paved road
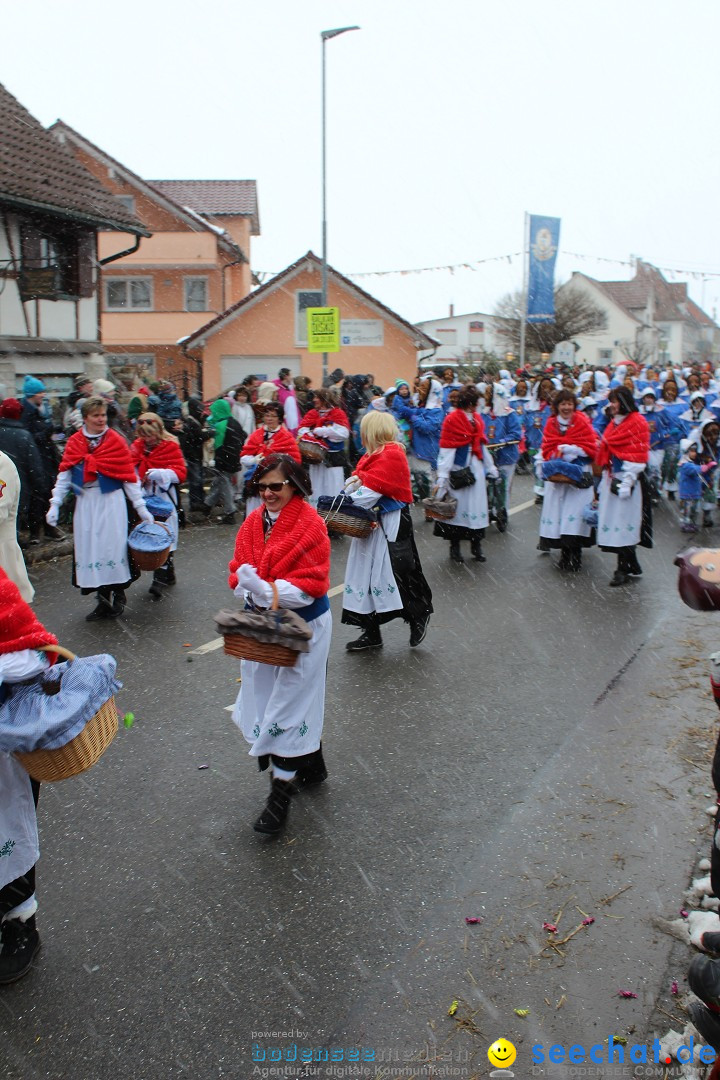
[528,759]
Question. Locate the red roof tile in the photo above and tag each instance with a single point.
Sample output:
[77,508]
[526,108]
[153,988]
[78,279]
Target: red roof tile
[38,172]
[225,198]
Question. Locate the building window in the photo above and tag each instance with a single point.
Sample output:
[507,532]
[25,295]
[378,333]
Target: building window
[57,262]
[128,294]
[128,201]
[605,354]
[304,299]
[195,292]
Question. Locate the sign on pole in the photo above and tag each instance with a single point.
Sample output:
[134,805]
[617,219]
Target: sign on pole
[544,239]
[323,326]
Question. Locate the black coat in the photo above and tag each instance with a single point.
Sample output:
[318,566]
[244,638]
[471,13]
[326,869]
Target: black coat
[227,457]
[42,431]
[18,444]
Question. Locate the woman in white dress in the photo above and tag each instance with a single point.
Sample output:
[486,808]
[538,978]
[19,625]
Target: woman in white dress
[280,710]
[327,422]
[568,439]
[624,511]
[462,448]
[98,468]
[383,577]
[11,557]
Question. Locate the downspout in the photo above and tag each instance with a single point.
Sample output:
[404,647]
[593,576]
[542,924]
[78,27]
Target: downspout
[198,365]
[237,262]
[122,254]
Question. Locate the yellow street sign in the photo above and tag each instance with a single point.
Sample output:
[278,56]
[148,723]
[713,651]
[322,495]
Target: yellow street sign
[323,329]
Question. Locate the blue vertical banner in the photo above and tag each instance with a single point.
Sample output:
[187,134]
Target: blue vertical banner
[544,241]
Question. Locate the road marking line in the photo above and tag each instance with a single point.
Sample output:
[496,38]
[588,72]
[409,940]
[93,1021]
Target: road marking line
[217,643]
[522,506]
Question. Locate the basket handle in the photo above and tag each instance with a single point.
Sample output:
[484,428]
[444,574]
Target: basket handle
[65,653]
[276,597]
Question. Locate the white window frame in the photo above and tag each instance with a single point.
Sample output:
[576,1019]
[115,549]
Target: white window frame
[127,307]
[301,334]
[192,278]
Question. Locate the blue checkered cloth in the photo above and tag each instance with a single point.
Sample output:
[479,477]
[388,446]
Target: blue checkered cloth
[32,720]
[554,466]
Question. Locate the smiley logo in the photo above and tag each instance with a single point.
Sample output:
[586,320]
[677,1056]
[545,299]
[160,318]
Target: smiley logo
[502,1054]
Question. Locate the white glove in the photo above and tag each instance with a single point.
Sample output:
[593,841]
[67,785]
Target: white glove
[625,489]
[52,515]
[322,432]
[250,581]
[441,489]
[258,458]
[352,484]
[492,474]
[143,513]
[538,467]
[153,475]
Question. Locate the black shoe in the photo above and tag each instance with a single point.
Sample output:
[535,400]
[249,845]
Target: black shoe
[564,562]
[502,520]
[539,500]
[314,773]
[119,602]
[20,943]
[671,496]
[707,1023]
[53,533]
[704,980]
[105,609]
[543,545]
[228,519]
[710,941]
[618,578]
[575,560]
[205,509]
[418,630]
[455,552]
[155,590]
[276,809]
[708,522]
[476,551]
[33,539]
[634,569]
[367,640]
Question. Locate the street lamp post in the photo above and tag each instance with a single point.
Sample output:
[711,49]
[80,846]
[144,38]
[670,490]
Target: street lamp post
[325,35]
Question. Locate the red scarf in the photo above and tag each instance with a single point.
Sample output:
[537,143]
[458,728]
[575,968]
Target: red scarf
[387,471]
[579,433]
[19,626]
[281,442]
[461,430]
[166,455]
[313,419]
[297,549]
[111,457]
[629,440]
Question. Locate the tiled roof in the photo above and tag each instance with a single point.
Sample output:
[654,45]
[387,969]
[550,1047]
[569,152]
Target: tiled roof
[210,197]
[669,299]
[211,327]
[38,172]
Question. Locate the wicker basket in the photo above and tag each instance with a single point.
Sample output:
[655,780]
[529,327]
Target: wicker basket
[311,452]
[262,652]
[82,751]
[560,478]
[440,509]
[151,560]
[346,524]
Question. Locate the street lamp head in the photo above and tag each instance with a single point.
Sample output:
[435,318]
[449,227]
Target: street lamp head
[327,34]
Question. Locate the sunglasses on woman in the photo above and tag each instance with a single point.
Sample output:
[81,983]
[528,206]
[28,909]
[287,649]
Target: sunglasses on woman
[272,487]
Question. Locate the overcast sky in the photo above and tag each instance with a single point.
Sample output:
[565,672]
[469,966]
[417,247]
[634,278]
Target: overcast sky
[446,122]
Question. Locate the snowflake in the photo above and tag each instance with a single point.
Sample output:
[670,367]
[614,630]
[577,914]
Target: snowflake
[276,730]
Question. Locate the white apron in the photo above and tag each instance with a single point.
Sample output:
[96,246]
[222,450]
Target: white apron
[19,848]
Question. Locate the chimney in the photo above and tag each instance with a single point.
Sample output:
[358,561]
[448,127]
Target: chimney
[452,310]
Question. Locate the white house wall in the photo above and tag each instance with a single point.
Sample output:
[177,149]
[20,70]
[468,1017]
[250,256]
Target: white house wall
[620,327]
[462,343]
[12,320]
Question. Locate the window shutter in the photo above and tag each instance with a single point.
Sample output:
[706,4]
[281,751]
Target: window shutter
[30,244]
[86,257]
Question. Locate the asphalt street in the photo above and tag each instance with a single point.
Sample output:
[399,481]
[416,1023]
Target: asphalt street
[545,748]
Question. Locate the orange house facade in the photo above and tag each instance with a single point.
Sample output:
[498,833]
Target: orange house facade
[194,266]
[267,330]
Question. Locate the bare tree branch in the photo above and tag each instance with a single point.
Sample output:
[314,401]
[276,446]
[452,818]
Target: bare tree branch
[575,314]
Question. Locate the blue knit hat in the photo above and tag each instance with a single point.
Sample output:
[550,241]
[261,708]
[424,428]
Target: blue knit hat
[32,386]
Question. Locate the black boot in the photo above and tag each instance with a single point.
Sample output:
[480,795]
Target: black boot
[369,639]
[119,601]
[704,980]
[633,567]
[313,773]
[418,630]
[563,562]
[105,606]
[476,549]
[156,589]
[620,577]
[276,809]
[20,943]
[707,1023]
[575,559]
[455,552]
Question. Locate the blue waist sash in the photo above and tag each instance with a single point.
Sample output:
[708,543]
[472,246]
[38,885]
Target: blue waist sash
[462,454]
[386,505]
[106,483]
[308,613]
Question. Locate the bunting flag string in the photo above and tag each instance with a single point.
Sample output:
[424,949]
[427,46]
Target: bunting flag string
[453,268]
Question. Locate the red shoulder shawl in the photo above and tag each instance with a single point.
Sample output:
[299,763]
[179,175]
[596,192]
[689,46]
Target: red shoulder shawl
[580,433]
[19,626]
[111,457]
[281,442]
[313,419]
[166,455]
[297,549]
[629,440]
[461,430]
[387,471]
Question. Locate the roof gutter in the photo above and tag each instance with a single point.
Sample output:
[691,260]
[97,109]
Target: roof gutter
[73,215]
[121,254]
